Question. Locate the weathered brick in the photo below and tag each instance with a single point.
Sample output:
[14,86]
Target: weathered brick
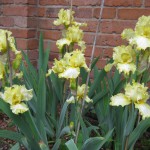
[147,3]
[41,11]
[22,44]
[52,35]
[6,21]
[132,14]
[109,40]
[116,26]
[19,11]
[33,55]
[52,12]
[23,33]
[53,2]
[108,13]
[30,2]
[114,3]
[6,2]
[83,12]
[32,22]
[86,2]
[32,44]
[20,21]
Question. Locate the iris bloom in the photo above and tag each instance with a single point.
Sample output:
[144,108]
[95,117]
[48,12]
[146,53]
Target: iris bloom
[15,96]
[141,35]
[135,93]
[3,41]
[65,17]
[124,59]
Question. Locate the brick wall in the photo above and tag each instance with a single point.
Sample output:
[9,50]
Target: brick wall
[26,18]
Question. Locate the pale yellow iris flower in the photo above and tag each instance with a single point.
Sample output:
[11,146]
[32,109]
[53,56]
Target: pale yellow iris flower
[15,96]
[135,93]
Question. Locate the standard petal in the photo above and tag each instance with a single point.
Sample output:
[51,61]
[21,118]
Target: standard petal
[144,109]
[120,99]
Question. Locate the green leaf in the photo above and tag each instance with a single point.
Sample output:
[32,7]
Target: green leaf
[41,51]
[15,147]
[96,143]
[61,119]
[57,144]
[71,145]
[94,62]
[95,84]
[11,135]
[138,131]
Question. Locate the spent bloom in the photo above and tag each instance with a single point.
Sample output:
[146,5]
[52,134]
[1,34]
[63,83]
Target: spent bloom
[134,93]
[15,96]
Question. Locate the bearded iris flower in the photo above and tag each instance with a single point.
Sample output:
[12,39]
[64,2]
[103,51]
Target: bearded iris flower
[15,96]
[135,93]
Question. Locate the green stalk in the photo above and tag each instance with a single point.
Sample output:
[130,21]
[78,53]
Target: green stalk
[90,65]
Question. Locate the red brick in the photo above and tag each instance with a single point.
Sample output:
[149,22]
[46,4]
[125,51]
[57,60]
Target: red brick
[23,33]
[86,2]
[132,14]
[91,26]
[32,22]
[114,3]
[20,21]
[98,51]
[30,2]
[109,40]
[15,10]
[22,44]
[89,38]
[6,1]
[52,35]
[52,12]
[6,21]
[32,44]
[116,26]
[41,11]
[53,2]
[83,12]
[33,55]
[147,3]
[107,53]
[48,24]
[20,11]
[108,13]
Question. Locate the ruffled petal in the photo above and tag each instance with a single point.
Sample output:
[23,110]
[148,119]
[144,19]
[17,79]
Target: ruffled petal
[120,99]
[144,109]
[70,73]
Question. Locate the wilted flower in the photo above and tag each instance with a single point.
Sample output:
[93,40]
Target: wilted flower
[17,60]
[65,17]
[135,93]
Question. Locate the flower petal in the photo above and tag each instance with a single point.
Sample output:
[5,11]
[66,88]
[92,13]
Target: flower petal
[120,99]
[144,109]
[19,108]
[70,73]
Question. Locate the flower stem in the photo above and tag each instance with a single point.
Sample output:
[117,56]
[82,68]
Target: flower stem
[90,65]
[9,61]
